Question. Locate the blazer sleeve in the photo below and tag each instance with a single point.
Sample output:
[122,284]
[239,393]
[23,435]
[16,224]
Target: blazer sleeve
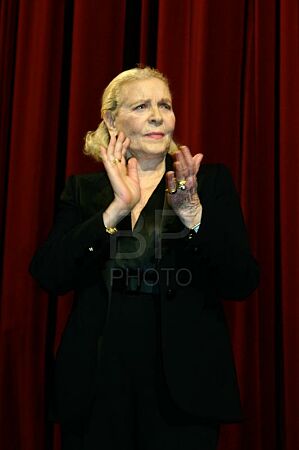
[75,249]
[219,252]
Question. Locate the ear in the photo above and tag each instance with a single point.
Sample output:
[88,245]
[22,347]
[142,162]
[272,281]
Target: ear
[109,122]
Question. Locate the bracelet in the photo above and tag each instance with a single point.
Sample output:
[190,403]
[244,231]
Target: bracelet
[111,230]
[196,227]
[193,231]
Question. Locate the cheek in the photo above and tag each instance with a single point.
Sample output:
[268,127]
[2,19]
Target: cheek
[129,127]
[171,123]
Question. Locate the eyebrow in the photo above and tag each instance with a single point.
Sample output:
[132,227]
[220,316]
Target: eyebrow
[142,100]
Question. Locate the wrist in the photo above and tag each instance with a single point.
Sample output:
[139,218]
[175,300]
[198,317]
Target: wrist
[192,220]
[113,215]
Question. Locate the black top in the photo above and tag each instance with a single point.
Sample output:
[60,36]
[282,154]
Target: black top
[136,249]
[197,356]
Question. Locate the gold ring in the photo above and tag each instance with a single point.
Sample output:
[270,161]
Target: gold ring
[171,191]
[116,161]
[181,184]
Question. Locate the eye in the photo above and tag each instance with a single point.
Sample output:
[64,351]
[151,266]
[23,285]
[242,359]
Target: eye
[140,107]
[166,106]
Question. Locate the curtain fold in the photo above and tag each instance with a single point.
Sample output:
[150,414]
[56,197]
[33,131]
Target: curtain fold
[29,196]
[8,26]
[229,91]
[287,178]
[97,56]
[233,69]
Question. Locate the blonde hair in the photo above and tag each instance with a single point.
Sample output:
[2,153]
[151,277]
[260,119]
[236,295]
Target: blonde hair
[110,102]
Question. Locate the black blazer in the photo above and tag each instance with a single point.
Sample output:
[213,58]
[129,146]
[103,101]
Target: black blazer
[197,356]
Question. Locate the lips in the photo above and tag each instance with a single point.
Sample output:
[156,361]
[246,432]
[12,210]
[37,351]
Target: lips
[155,135]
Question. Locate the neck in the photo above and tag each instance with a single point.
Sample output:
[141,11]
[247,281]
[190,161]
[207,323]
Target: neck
[151,168]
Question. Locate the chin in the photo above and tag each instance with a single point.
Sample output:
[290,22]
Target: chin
[151,151]
[152,148]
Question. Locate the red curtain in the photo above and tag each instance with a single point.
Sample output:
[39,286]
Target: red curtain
[288,232]
[233,68]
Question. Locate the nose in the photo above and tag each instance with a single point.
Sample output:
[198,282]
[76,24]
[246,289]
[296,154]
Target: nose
[155,117]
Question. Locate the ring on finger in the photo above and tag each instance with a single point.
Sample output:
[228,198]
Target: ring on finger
[115,161]
[171,191]
[181,184]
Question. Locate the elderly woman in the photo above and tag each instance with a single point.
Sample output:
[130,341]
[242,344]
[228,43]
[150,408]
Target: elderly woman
[150,246]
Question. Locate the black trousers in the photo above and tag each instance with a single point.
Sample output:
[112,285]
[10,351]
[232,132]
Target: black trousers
[133,409]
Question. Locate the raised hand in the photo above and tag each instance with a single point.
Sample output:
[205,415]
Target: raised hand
[181,185]
[123,177]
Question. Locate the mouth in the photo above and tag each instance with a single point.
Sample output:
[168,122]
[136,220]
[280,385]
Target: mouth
[155,135]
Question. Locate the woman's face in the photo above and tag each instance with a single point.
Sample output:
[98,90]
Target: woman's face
[145,115]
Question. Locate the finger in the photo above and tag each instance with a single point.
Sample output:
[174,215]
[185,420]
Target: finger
[191,183]
[180,168]
[132,169]
[103,153]
[111,148]
[111,165]
[197,159]
[188,160]
[170,182]
[119,146]
[124,150]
